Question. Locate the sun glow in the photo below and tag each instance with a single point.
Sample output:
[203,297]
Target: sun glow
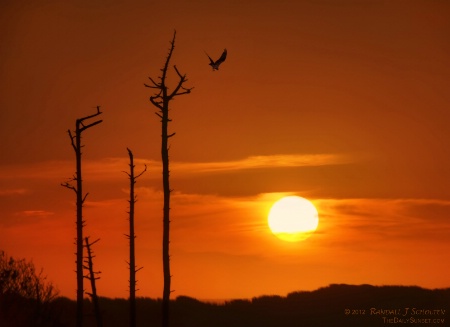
[293,219]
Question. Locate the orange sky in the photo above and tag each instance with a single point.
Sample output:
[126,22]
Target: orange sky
[342,102]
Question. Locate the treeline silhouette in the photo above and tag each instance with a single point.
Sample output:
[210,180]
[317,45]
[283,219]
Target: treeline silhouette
[335,305]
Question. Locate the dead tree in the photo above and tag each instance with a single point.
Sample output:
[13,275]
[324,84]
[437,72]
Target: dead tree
[132,237]
[161,100]
[91,276]
[80,127]
[25,294]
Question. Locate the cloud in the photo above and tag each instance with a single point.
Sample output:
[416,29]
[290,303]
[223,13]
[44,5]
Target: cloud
[14,191]
[384,221]
[26,217]
[117,167]
[35,213]
[269,161]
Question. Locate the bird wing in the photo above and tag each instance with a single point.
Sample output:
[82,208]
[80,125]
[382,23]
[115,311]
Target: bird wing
[211,61]
[222,57]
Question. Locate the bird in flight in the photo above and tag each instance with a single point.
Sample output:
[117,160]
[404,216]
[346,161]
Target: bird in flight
[215,64]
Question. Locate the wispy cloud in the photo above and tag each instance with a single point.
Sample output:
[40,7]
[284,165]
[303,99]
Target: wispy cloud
[384,220]
[114,167]
[35,213]
[26,217]
[270,161]
[13,191]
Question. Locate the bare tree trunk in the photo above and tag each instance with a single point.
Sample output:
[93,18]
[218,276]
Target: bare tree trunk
[166,216]
[80,225]
[76,144]
[161,100]
[92,279]
[132,237]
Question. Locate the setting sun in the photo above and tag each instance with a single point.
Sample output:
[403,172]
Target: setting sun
[293,219]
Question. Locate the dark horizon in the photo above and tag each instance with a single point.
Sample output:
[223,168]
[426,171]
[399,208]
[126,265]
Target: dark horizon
[223,301]
[338,305]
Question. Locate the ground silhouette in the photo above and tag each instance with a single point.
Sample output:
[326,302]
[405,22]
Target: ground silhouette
[335,305]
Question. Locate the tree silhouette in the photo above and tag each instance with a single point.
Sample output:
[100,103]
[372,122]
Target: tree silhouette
[132,237]
[25,295]
[91,276]
[80,127]
[161,100]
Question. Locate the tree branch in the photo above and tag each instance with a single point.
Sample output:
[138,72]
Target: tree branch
[139,175]
[71,140]
[183,79]
[84,198]
[69,186]
[80,120]
[156,103]
[156,85]
[166,65]
[90,125]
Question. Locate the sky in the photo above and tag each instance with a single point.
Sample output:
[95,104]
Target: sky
[344,103]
